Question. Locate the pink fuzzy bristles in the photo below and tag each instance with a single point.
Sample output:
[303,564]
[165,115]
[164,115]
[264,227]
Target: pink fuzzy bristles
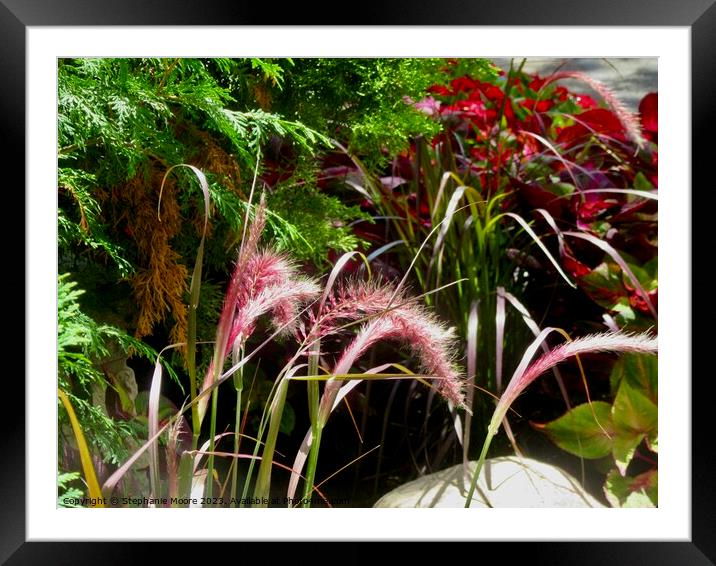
[604,342]
[398,320]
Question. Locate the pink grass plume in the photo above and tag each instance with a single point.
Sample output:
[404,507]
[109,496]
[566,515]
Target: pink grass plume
[628,119]
[263,281]
[431,342]
[526,373]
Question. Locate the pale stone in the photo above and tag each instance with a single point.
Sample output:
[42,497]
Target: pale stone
[504,482]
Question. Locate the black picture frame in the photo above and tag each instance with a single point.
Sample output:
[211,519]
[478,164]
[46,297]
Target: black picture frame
[698,15]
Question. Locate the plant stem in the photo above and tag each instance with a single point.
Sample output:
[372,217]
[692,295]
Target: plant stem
[316,428]
[483,454]
[191,363]
[311,466]
[212,428]
[263,481]
[313,390]
[239,386]
[191,367]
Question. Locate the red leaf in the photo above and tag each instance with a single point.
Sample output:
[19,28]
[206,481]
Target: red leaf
[537,197]
[536,83]
[464,84]
[598,121]
[649,114]
[561,93]
[586,101]
[492,92]
[544,105]
[573,266]
[440,90]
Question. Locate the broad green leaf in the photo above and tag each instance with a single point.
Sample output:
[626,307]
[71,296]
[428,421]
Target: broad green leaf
[652,267]
[639,491]
[604,285]
[640,371]
[578,432]
[625,314]
[625,445]
[652,442]
[633,411]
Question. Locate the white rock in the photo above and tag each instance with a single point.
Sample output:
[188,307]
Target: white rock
[504,482]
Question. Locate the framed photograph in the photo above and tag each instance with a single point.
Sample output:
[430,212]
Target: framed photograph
[553,118]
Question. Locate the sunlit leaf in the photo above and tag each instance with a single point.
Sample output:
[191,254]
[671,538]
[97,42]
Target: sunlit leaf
[640,491]
[578,433]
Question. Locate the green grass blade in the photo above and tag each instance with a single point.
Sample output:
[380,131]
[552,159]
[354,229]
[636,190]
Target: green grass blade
[472,329]
[537,240]
[194,293]
[263,479]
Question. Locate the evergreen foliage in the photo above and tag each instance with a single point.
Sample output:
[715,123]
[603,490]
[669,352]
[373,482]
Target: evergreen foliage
[365,104]
[81,344]
[122,123]
[66,491]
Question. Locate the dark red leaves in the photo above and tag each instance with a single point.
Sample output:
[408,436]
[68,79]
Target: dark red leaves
[573,266]
[537,197]
[487,140]
[598,121]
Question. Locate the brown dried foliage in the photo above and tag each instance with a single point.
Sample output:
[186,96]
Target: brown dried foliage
[160,283]
[161,280]
[262,95]
[223,166]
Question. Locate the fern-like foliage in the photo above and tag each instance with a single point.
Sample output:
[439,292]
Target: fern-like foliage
[81,344]
[365,102]
[67,490]
[122,123]
[316,217]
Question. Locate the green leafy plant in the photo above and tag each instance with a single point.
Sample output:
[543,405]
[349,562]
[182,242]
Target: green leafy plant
[83,346]
[363,105]
[625,431]
[633,416]
[89,427]
[68,493]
